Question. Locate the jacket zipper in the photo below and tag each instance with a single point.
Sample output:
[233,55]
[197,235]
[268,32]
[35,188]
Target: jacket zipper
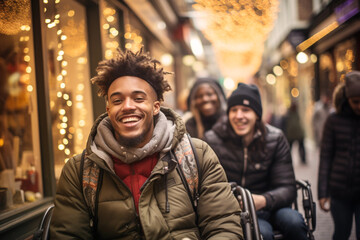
[245,166]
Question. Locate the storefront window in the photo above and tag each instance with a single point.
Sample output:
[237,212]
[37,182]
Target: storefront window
[20,163]
[345,58]
[110,29]
[327,73]
[69,78]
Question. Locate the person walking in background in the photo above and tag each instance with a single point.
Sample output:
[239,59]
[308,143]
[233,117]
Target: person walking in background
[257,156]
[322,110]
[207,103]
[294,130]
[132,160]
[339,170]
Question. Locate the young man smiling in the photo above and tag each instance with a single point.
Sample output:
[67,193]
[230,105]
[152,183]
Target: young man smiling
[134,151]
[257,156]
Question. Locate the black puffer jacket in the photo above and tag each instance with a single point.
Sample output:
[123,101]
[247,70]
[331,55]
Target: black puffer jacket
[339,170]
[268,172]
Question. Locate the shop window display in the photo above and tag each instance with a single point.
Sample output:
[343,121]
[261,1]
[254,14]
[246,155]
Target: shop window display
[20,163]
[68,76]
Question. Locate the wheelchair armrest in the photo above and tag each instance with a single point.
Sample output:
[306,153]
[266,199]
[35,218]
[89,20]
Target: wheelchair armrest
[43,230]
[309,206]
[248,215]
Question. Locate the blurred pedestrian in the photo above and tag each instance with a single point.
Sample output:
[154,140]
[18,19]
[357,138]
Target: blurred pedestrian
[207,103]
[257,156]
[294,130]
[339,170]
[322,109]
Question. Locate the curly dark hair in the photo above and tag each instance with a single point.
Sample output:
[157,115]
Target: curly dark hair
[127,63]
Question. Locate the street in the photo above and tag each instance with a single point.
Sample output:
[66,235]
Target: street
[324,224]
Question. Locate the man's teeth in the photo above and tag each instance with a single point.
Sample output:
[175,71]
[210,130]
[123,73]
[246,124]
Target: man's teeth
[130,119]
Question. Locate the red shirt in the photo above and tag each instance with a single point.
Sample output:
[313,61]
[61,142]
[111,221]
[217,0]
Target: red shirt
[135,174]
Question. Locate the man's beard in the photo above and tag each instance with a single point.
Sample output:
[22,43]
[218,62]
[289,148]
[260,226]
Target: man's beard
[131,142]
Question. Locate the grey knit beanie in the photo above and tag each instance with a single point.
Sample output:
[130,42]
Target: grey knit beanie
[352,84]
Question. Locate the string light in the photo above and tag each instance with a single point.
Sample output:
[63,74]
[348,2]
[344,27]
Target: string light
[110,28]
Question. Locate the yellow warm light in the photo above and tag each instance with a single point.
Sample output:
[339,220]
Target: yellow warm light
[295,92]
[110,18]
[166,59]
[62,111]
[72,130]
[302,57]
[278,70]
[71,13]
[317,36]
[106,26]
[81,123]
[188,60]
[29,88]
[82,60]
[270,79]
[67,151]
[61,147]
[229,83]
[79,98]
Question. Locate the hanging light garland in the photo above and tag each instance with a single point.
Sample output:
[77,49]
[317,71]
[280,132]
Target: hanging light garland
[52,20]
[110,28]
[237,29]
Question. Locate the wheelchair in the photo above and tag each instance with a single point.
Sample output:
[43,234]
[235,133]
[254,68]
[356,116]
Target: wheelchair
[249,219]
[42,233]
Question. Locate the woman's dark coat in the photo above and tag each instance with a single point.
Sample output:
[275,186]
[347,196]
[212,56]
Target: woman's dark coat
[339,170]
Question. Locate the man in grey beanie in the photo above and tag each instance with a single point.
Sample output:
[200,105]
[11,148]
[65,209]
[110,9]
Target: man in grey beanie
[257,156]
[339,170]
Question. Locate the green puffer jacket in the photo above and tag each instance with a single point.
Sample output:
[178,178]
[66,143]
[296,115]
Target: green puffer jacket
[218,211]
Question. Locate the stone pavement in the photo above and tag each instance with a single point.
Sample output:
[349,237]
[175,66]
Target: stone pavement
[324,224]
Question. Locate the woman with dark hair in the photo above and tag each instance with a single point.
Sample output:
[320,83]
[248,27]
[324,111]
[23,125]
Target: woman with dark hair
[257,156]
[207,104]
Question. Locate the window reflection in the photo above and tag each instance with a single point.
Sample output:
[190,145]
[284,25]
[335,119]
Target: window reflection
[20,165]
